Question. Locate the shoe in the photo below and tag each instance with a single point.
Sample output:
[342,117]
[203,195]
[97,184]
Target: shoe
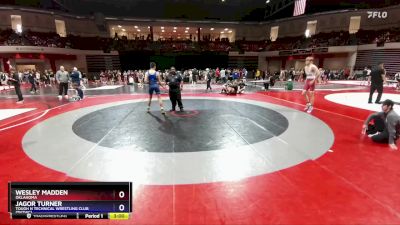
[20,102]
[307,106]
[172,110]
[371,135]
[148,109]
[369,102]
[162,111]
[32,92]
[182,110]
[66,96]
[378,102]
[310,109]
[60,97]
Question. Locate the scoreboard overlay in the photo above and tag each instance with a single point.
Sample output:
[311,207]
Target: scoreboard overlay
[70,200]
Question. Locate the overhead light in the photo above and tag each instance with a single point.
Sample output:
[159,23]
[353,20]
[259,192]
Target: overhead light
[186,31]
[230,31]
[119,26]
[123,30]
[174,31]
[138,30]
[162,28]
[187,28]
[307,33]
[267,1]
[212,28]
[112,28]
[163,31]
[226,29]
[223,0]
[175,28]
[135,27]
[148,27]
[222,32]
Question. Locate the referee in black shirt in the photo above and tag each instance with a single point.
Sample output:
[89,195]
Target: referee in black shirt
[175,84]
[14,78]
[377,78]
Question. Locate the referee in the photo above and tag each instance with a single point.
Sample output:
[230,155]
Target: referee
[377,79]
[175,84]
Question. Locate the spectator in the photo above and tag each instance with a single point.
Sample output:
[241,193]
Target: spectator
[62,78]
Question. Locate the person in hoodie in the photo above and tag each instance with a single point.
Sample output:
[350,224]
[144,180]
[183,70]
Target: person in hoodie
[76,81]
[385,127]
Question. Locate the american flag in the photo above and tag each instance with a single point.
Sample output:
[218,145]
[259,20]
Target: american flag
[299,7]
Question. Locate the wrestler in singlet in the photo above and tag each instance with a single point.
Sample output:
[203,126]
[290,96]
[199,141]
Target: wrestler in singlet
[312,73]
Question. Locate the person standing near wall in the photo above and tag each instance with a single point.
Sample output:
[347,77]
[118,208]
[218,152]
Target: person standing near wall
[62,78]
[14,78]
[32,81]
[76,79]
[208,78]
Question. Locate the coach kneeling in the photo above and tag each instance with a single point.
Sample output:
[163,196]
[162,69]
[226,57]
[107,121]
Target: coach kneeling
[385,127]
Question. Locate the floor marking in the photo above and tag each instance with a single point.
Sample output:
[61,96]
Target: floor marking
[19,124]
[9,113]
[339,114]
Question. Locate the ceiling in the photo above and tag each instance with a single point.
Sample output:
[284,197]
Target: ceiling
[225,10]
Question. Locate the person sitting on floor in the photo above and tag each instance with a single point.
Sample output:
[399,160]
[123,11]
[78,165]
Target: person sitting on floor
[385,127]
[230,88]
[225,87]
[241,87]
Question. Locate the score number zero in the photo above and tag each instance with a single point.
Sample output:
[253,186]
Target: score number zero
[121,207]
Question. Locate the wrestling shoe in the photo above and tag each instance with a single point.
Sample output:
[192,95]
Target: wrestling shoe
[307,107]
[310,109]
[371,135]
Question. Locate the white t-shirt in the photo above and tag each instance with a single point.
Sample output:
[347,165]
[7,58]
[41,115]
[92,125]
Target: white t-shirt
[222,73]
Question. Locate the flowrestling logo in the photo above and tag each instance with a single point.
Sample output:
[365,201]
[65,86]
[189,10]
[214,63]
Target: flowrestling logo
[376,14]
